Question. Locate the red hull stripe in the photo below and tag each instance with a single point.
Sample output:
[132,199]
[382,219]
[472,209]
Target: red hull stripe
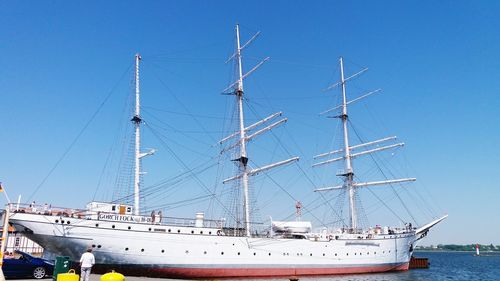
[177,272]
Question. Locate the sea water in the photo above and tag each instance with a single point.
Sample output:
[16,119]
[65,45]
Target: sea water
[443,266]
[446,266]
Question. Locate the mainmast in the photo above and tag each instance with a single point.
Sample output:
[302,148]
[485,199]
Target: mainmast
[243,132]
[243,159]
[348,173]
[348,155]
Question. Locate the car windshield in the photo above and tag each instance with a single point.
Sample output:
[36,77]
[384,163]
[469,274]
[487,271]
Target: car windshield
[24,256]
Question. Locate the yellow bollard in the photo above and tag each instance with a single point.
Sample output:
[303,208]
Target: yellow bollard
[113,276]
[70,276]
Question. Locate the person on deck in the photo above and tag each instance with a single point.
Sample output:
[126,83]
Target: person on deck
[160,216]
[153,216]
[33,207]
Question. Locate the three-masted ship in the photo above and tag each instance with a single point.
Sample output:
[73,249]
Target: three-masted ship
[133,244]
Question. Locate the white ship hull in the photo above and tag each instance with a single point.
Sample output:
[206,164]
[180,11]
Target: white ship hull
[194,252]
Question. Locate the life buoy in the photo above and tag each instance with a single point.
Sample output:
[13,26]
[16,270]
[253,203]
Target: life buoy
[219,233]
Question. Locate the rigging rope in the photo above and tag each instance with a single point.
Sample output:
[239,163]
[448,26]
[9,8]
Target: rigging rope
[182,104]
[179,160]
[300,168]
[384,175]
[68,149]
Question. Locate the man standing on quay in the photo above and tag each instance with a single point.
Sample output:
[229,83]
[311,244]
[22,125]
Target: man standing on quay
[86,262]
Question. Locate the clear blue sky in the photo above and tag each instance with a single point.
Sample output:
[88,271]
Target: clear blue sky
[437,62]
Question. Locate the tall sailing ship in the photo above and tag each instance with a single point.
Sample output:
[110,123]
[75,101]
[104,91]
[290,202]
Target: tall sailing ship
[134,244]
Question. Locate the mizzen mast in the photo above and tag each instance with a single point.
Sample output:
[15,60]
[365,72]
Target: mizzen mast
[347,156]
[136,119]
[244,137]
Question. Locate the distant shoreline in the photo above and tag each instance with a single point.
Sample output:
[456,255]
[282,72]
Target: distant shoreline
[490,248]
[456,251]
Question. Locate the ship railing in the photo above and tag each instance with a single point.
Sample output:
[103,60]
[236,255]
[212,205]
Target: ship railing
[49,210]
[348,233]
[190,222]
[46,209]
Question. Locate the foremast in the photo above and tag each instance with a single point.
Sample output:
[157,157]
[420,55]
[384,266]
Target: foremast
[243,132]
[348,173]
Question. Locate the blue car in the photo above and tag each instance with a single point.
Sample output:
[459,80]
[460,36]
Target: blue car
[27,266]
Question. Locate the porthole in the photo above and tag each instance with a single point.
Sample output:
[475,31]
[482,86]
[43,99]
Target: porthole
[192,231]
[205,252]
[311,254]
[238,253]
[168,230]
[323,254]
[126,249]
[62,221]
[254,253]
[210,232]
[113,226]
[201,232]
[96,225]
[149,229]
[178,231]
[222,253]
[269,253]
[163,251]
[347,254]
[355,254]
[131,228]
[68,222]
[335,254]
[93,245]
[57,221]
[98,246]
[142,250]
